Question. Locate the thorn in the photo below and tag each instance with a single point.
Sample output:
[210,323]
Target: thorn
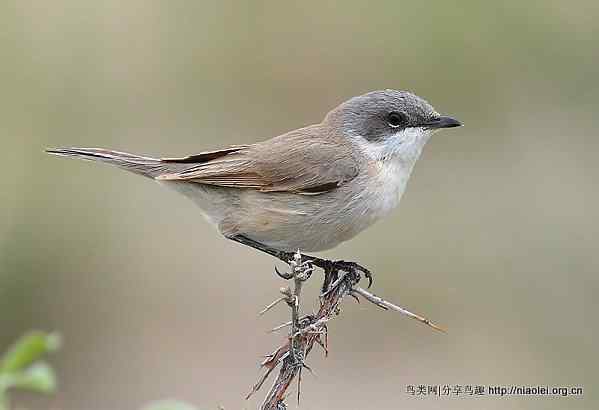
[434,326]
[299,385]
[321,344]
[273,304]
[326,342]
[281,326]
[305,366]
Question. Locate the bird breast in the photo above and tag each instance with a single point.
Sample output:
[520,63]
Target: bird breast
[383,186]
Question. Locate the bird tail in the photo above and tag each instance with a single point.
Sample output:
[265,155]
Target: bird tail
[146,166]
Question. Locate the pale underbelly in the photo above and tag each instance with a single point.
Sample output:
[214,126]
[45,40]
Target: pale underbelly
[288,221]
[313,224]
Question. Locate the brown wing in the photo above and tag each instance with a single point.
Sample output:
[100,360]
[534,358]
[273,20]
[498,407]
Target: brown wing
[308,161]
[205,156]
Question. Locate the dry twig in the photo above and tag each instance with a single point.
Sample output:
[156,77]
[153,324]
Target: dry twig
[309,329]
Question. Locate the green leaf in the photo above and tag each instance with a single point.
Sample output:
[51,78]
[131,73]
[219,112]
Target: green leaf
[169,405]
[28,349]
[3,401]
[38,378]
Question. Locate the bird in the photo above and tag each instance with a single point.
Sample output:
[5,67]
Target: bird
[309,189]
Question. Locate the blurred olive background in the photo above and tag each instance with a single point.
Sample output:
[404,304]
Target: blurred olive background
[496,238]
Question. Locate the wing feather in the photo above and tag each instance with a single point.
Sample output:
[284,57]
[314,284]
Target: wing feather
[309,161]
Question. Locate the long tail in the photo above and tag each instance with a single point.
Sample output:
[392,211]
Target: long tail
[146,166]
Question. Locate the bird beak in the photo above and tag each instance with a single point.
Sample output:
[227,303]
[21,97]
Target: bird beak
[443,122]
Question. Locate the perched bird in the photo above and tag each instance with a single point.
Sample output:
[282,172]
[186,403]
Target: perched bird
[309,189]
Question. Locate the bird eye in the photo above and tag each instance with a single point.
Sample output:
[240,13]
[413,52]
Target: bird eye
[396,119]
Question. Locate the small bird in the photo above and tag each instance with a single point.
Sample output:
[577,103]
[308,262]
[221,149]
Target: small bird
[309,189]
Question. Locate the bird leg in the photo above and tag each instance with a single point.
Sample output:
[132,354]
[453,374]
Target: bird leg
[331,268]
[281,255]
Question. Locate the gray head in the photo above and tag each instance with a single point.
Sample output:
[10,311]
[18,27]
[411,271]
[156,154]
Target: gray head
[382,116]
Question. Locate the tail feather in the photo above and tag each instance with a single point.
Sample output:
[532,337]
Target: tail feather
[146,166]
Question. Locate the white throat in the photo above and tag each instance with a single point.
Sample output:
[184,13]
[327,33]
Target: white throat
[405,146]
[391,163]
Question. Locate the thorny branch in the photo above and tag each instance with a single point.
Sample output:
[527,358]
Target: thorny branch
[309,329]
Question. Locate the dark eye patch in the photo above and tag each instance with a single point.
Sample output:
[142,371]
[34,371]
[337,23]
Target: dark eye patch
[397,119]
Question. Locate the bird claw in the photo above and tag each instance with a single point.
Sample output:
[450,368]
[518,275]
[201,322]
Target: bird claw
[284,275]
[330,268]
[354,268]
[306,270]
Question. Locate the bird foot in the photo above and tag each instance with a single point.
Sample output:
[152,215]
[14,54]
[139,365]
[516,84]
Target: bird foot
[351,268]
[331,270]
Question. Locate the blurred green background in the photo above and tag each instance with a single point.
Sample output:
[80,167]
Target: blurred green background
[496,238]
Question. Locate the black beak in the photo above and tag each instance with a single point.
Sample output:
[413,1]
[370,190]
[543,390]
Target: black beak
[443,122]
